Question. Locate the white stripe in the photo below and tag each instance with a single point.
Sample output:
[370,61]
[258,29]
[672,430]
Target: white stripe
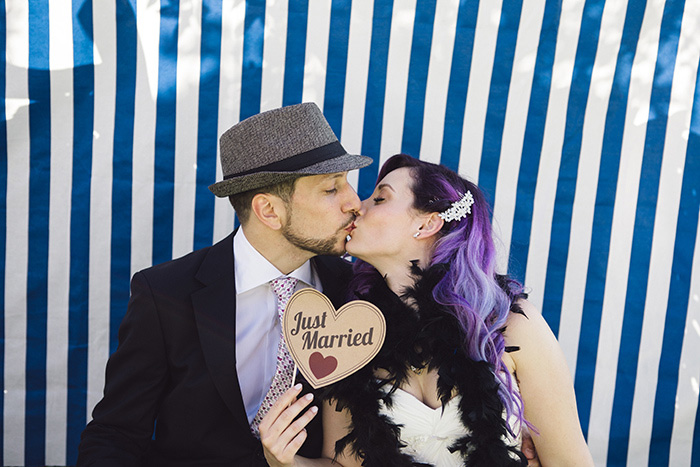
[602,75]
[689,372]
[61,64]
[661,260]
[232,21]
[622,231]
[104,30]
[359,44]
[552,143]
[143,159]
[483,55]
[514,125]
[318,27]
[354,179]
[17,228]
[397,66]
[438,81]
[187,111]
[356,72]
[274,53]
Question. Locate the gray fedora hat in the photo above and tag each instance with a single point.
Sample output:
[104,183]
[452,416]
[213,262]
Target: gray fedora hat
[280,144]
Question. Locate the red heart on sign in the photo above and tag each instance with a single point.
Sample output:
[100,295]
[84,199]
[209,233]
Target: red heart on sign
[320,366]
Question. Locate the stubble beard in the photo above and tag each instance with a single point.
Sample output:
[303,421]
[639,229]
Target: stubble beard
[318,246]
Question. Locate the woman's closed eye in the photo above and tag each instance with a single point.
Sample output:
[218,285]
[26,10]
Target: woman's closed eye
[377,200]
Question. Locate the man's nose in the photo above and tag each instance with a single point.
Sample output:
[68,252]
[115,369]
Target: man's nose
[352,202]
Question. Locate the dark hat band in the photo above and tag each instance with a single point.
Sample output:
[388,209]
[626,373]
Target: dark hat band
[299,161]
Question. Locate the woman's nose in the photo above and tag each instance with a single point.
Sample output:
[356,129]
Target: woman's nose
[364,206]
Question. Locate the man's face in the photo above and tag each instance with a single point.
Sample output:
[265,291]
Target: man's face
[320,214]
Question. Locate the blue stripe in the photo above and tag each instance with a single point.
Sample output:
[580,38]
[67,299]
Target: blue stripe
[251,73]
[207,121]
[566,186]
[643,235]
[78,317]
[532,141]
[39,88]
[336,68]
[459,82]
[122,155]
[498,96]
[253,41]
[166,108]
[3,217]
[296,52]
[418,77]
[605,197]
[376,92]
[679,294]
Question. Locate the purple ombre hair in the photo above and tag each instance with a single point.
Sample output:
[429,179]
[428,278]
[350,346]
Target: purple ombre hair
[480,298]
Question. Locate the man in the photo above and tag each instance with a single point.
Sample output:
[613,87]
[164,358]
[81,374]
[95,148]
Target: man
[198,345]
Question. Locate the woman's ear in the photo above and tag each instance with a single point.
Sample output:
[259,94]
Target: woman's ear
[269,210]
[431,225]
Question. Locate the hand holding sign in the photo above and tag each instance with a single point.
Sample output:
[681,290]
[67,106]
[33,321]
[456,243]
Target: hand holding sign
[328,344]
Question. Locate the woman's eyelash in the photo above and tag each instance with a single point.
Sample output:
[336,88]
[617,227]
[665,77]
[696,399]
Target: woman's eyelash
[378,199]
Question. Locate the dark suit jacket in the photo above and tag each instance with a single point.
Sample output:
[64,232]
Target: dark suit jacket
[175,367]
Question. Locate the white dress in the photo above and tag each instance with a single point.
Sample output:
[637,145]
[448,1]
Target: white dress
[428,432]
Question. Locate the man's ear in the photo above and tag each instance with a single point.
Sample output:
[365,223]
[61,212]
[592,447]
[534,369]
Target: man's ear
[431,225]
[269,209]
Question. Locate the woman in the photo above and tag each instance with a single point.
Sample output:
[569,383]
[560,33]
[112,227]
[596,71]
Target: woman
[467,361]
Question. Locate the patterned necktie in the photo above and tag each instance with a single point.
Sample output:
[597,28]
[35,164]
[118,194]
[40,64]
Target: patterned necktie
[283,287]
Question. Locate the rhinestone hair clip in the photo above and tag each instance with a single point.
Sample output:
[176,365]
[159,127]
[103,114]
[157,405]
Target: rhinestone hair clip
[459,208]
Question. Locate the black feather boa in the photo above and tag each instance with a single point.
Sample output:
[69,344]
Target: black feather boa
[425,336]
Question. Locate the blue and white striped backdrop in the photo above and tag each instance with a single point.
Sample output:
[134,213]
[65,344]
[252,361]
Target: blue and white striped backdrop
[580,119]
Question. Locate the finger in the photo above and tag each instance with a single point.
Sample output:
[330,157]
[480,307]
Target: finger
[298,432]
[287,455]
[285,427]
[277,429]
[527,444]
[528,450]
[279,406]
[287,435]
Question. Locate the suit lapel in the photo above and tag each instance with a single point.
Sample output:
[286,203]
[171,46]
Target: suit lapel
[215,313]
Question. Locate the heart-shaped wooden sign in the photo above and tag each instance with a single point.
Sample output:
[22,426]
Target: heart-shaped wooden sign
[328,344]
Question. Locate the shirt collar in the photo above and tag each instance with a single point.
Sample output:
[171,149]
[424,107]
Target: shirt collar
[251,269]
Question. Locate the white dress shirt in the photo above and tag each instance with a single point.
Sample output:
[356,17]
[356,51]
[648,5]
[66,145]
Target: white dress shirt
[257,325]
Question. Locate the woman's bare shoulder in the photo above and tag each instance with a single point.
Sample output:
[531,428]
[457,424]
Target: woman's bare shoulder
[528,331]
[526,318]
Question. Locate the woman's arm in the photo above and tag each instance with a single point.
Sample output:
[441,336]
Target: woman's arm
[547,390]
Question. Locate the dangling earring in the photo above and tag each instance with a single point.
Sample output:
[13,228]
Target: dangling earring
[415,235]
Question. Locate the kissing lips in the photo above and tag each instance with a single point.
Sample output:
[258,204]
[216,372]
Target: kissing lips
[349,230]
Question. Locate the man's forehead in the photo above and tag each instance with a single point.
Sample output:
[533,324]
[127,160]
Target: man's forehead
[315,179]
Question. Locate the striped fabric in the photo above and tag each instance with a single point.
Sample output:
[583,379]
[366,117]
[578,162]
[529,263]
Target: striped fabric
[579,119]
